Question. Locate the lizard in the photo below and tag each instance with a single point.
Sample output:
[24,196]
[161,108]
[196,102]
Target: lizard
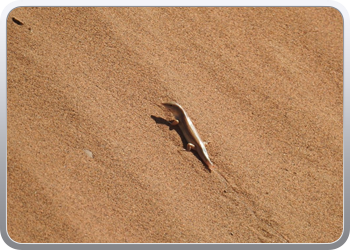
[194,142]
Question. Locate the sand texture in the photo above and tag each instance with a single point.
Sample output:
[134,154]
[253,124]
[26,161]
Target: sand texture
[91,157]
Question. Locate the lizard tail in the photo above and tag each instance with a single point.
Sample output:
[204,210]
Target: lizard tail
[212,168]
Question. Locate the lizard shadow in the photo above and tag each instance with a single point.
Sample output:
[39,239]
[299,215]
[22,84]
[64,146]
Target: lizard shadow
[160,120]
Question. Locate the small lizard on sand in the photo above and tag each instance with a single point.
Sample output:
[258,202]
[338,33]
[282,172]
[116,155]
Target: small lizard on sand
[189,131]
[193,140]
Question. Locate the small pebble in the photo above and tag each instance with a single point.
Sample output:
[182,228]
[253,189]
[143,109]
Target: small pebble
[88,153]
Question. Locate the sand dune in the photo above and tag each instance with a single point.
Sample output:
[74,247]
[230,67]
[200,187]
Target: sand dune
[91,158]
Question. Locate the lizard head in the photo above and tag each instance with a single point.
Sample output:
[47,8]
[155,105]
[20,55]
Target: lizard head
[174,107]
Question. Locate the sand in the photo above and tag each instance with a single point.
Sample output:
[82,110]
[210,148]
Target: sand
[92,159]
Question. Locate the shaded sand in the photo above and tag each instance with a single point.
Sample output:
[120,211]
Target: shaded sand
[91,158]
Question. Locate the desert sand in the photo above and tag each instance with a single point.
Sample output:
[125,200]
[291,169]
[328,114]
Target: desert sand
[91,157]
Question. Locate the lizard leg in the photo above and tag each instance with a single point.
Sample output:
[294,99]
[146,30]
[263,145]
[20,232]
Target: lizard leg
[174,122]
[190,146]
